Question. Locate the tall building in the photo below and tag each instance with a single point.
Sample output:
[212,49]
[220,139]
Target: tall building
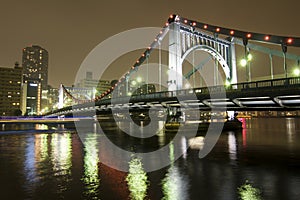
[35,64]
[10,90]
[31,97]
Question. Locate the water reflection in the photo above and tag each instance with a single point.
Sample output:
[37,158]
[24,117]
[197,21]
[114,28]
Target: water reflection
[91,160]
[137,180]
[29,164]
[174,185]
[61,153]
[232,144]
[290,129]
[41,147]
[43,165]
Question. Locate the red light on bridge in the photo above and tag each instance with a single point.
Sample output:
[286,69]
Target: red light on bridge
[290,41]
[194,23]
[149,48]
[167,24]
[249,35]
[132,67]
[171,16]
[267,37]
[218,29]
[205,26]
[185,21]
[143,55]
[231,32]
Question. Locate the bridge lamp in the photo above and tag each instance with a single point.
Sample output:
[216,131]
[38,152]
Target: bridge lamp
[249,57]
[243,62]
[133,83]
[139,79]
[187,86]
[296,72]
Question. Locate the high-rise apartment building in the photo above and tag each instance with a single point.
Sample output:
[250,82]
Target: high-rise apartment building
[10,90]
[35,64]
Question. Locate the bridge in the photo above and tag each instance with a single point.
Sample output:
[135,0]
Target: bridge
[184,38]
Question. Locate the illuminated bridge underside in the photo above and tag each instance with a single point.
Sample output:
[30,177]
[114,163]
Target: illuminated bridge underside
[278,94]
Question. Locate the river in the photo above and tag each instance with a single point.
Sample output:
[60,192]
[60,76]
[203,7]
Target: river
[41,164]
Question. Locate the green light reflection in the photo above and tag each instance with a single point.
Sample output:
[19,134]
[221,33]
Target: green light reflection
[248,192]
[137,180]
[91,177]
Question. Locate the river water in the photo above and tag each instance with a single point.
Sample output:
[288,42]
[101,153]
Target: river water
[39,164]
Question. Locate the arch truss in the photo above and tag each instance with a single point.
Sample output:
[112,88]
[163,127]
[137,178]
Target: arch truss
[183,39]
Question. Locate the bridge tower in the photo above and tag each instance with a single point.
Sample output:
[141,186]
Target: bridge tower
[184,38]
[61,97]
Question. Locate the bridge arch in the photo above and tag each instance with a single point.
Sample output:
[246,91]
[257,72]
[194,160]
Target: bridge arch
[184,39]
[214,53]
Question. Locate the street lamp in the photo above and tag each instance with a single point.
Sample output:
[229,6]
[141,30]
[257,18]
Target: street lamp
[296,72]
[243,62]
[139,79]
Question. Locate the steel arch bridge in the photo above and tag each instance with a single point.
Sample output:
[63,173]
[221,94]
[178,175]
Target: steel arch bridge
[186,36]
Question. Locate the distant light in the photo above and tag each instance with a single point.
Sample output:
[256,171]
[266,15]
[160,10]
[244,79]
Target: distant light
[143,55]
[232,32]
[133,82]
[289,41]
[171,16]
[33,84]
[267,37]
[160,32]
[139,79]
[194,24]
[167,24]
[249,57]
[227,83]
[218,29]
[185,21]
[249,35]
[243,62]
[187,85]
[296,72]
[205,26]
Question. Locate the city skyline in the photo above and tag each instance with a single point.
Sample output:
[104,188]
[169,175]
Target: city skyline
[70,30]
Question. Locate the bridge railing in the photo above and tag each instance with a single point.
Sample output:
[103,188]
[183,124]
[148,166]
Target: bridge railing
[289,82]
[275,83]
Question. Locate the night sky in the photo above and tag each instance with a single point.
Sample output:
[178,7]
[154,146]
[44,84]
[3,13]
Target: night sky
[70,29]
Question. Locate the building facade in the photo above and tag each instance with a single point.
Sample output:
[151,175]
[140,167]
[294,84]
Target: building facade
[10,90]
[35,64]
[31,97]
[99,86]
